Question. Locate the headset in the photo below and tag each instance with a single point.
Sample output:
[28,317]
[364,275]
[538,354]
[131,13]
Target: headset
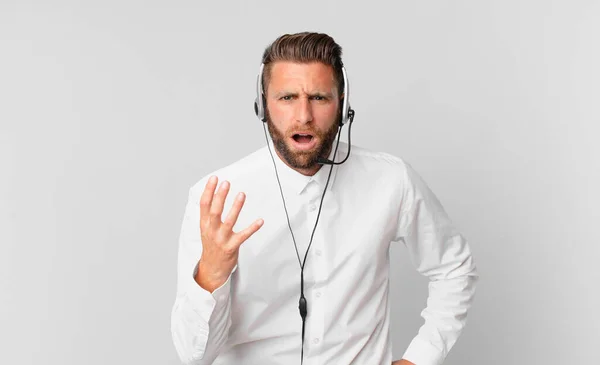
[346,118]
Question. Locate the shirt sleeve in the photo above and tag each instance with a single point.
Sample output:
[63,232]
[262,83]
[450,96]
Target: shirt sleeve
[200,320]
[443,255]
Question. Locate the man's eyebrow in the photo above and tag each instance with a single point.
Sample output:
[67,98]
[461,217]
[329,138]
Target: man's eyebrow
[322,94]
[285,93]
[295,94]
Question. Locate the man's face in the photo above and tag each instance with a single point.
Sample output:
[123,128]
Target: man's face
[303,110]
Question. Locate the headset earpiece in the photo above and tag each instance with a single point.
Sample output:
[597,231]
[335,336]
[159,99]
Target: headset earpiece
[259,102]
[346,102]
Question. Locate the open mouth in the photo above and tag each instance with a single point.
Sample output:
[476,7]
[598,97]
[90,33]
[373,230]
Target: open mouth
[304,140]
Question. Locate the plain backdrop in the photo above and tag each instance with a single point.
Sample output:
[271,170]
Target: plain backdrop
[111,110]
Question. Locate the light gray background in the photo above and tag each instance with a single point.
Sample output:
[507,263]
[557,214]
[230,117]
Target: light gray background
[111,110]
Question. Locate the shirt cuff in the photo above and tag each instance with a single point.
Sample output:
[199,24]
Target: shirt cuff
[204,302]
[421,352]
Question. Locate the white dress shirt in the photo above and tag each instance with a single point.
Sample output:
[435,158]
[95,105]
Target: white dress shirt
[373,199]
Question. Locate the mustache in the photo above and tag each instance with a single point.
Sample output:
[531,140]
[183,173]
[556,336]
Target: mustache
[313,132]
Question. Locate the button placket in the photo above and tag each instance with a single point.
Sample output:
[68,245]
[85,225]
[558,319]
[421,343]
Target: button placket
[317,310]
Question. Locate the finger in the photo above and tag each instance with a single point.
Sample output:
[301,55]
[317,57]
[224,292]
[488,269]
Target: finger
[242,236]
[207,197]
[216,209]
[232,217]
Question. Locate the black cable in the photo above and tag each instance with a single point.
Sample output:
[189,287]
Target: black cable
[302,303]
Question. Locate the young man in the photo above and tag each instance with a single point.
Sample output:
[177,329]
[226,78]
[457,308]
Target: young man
[300,274]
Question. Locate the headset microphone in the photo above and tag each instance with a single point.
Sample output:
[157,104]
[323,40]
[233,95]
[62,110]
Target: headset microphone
[326,161]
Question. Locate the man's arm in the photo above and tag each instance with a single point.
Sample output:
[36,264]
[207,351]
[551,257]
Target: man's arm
[443,255]
[402,362]
[196,310]
[207,258]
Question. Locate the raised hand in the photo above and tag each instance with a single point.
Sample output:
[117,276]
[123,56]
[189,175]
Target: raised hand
[220,245]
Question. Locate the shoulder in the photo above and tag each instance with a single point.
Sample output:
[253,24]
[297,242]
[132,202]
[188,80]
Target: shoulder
[376,161]
[243,171]
[389,173]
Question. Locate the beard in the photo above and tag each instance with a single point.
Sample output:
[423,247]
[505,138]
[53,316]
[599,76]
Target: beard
[302,159]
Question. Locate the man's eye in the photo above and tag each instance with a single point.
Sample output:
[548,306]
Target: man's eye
[287,97]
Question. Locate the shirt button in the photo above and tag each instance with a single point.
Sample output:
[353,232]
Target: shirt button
[312,207]
[315,341]
[318,252]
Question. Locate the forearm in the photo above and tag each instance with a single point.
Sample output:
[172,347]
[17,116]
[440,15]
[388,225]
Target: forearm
[200,319]
[445,316]
[402,362]
[200,323]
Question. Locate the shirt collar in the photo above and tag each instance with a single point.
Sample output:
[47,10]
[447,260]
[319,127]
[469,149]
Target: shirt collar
[296,181]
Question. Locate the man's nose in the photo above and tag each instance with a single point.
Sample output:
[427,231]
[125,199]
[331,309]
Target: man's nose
[304,111]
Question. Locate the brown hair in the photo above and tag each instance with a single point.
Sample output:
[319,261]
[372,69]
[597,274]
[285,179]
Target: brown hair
[305,47]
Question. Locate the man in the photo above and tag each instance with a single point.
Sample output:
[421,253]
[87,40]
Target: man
[243,274]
